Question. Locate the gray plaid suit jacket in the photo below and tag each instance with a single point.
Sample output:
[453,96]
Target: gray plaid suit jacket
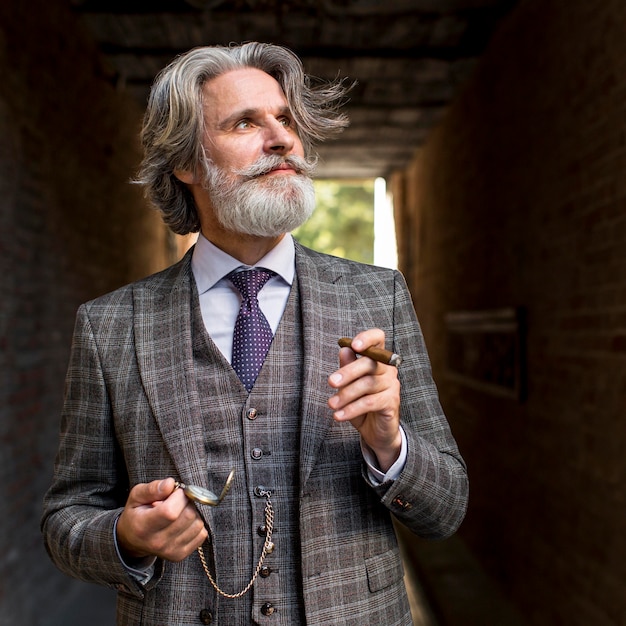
[131,415]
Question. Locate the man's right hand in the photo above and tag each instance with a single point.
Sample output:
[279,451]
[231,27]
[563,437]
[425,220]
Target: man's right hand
[159,520]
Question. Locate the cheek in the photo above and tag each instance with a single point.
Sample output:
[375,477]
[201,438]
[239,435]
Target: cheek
[298,148]
[239,155]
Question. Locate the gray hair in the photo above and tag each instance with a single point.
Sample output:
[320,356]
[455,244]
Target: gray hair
[173,125]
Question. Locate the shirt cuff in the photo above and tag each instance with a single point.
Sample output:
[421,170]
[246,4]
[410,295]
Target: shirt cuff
[142,570]
[376,476]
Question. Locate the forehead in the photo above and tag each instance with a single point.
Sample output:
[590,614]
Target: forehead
[241,90]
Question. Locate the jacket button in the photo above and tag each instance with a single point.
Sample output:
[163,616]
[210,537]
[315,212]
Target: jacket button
[265,571]
[268,609]
[251,414]
[260,491]
[402,503]
[206,617]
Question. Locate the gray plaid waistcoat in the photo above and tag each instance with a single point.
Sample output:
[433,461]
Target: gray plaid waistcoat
[258,435]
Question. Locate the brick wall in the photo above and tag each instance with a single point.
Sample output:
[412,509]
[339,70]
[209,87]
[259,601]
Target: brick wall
[71,228]
[519,198]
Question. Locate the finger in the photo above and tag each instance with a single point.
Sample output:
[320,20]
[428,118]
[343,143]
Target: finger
[372,338]
[185,545]
[359,400]
[173,508]
[352,368]
[166,529]
[149,493]
[190,530]
[179,539]
[346,356]
[366,394]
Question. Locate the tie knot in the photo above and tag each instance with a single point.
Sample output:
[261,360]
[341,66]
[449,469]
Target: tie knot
[250,282]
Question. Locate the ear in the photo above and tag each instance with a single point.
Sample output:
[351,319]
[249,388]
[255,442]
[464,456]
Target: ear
[185,176]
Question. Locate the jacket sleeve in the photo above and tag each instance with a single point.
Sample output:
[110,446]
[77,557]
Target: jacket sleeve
[89,486]
[430,496]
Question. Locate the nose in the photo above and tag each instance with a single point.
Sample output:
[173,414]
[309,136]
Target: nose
[280,139]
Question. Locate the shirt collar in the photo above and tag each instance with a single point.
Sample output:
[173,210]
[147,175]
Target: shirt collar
[209,264]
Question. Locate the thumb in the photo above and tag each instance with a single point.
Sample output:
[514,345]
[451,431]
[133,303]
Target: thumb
[346,355]
[155,491]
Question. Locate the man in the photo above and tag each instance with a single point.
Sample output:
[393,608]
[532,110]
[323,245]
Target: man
[325,443]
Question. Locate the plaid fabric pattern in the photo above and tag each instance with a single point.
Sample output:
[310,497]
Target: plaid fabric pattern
[260,438]
[132,414]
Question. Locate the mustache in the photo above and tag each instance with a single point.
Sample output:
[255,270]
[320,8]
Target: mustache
[269,162]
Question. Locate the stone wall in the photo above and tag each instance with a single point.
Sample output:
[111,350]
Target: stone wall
[71,228]
[519,199]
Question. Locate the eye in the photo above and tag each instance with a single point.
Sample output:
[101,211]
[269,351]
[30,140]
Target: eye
[243,124]
[285,121]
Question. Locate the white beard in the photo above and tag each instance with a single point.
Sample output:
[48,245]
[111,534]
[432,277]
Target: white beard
[247,202]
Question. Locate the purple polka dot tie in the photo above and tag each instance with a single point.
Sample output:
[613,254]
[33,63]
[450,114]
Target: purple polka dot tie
[253,335]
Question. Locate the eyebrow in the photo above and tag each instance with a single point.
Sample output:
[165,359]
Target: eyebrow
[246,113]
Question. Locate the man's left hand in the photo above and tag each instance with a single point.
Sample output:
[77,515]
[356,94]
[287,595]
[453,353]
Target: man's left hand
[368,396]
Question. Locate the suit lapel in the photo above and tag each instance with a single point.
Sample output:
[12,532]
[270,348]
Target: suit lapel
[325,298]
[164,354]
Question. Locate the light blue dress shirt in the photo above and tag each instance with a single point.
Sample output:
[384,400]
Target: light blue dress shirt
[219,298]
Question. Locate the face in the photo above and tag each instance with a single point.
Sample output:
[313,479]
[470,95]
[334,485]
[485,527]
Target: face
[258,182]
[248,117]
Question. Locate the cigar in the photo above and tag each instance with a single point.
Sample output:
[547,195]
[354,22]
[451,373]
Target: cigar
[378,354]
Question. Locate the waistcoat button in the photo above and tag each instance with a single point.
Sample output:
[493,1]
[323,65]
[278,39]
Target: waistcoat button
[256,453]
[206,617]
[268,608]
[265,571]
[251,414]
[262,530]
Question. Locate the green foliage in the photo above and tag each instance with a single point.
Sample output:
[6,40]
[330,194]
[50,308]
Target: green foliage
[343,222]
